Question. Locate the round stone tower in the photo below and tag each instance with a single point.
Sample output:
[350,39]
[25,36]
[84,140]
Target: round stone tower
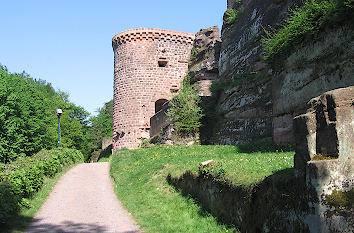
[149,66]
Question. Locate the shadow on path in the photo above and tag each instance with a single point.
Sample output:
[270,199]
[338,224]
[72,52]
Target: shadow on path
[67,227]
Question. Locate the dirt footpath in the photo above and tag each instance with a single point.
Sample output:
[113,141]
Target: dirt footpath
[83,201]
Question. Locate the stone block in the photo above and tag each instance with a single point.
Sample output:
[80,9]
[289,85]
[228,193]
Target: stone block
[106,142]
[327,130]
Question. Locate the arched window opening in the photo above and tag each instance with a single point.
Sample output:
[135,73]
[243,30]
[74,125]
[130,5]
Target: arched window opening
[158,104]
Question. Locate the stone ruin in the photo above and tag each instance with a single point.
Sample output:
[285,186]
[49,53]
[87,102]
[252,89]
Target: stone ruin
[151,63]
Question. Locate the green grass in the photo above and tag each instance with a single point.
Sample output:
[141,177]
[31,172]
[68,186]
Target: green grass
[140,178]
[26,215]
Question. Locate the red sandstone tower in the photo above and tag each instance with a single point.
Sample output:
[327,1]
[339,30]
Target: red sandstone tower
[149,65]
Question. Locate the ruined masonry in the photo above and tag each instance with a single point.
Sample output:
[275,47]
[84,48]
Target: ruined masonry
[149,65]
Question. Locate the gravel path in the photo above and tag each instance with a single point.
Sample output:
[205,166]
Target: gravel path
[83,201]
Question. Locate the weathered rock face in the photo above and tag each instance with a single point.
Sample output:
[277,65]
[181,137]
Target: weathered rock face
[327,130]
[241,50]
[310,70]
[203,65]
[247,107]
[247,112]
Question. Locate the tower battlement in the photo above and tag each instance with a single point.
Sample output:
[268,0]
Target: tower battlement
[153,34]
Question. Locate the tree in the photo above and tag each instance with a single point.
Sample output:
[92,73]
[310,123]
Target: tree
[101,125]
[27,120]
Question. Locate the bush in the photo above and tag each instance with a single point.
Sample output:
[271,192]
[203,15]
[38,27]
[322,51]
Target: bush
[230,16]
[22,178]
[307,21]
[185,112]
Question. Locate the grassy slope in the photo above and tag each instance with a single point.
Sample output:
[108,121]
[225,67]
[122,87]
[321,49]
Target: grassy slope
[141,185]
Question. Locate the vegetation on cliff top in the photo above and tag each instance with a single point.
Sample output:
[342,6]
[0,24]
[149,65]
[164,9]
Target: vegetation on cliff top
[230,16]
[306,21]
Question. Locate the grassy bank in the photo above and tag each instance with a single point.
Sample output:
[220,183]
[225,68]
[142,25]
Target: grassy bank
[140,177]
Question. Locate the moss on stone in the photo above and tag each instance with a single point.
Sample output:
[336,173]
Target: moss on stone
[341,199]
[319,157]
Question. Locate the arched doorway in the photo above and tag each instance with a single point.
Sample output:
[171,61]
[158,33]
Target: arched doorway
[159,103]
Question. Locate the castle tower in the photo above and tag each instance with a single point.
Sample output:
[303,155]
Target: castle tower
[149,66]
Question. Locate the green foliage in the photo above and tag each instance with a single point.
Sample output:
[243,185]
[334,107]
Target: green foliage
[194,52]
[307,21]
[230,16]
[101,125]
[24,177]
[184,109]
[27,120]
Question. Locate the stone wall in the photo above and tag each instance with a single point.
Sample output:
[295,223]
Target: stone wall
[106,142]
[203,70]
[277,204]
[159,120]
[149,65]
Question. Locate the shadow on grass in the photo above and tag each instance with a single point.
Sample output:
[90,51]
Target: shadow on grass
[264,145]
[248,208]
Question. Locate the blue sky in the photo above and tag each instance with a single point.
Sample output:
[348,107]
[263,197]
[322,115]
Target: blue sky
[68,43]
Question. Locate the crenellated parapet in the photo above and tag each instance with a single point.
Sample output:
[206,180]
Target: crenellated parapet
[151,34]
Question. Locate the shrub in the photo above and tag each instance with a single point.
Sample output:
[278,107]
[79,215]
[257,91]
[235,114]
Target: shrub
[306,21]
[185,112]
[230,16]
[22,178]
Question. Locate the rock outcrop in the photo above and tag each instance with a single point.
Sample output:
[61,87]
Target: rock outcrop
[259,100]
[203,65]
[324,156]
[312,68]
